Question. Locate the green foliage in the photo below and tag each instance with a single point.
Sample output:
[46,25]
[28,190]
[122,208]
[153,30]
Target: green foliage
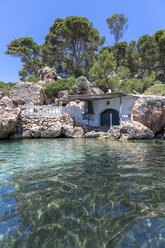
[6,87]
[29,53]
[106,84]
[102,70]
[82,86]
[64,84]
[123,72]
[74,47]
[117,25]
[71,44]
[157,89]
[32,78]
[104,65]
[138,85]
[147,51]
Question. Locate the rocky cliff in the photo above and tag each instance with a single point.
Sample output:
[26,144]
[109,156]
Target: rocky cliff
[150,111]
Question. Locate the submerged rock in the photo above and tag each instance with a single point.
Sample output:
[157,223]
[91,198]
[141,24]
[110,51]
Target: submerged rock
[150,111]
[27,93]
[96,134]
[8,121]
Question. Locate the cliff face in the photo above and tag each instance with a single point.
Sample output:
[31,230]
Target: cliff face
[150,111]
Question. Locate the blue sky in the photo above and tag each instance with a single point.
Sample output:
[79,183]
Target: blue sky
[32,18]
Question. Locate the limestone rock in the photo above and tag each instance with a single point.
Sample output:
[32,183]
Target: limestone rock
[150,111]
[35,132]
[76,132]
[2,94]
[95,134]
[135,130]
[52,132]
[8,121]
[114,132]
[27,93]
[62,94]
[6,102]
[96,91]
[48,75]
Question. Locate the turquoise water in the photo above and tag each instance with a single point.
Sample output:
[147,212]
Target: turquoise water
[68,193]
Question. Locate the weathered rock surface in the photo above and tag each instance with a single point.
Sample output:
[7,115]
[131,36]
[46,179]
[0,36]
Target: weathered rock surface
[46,127]
[76,132]
[52,132]
[48,75]
[150,111]
[96,91]
[135,130]
[6,102]
[84,87]
[27,93]
[8,121]
[2,94]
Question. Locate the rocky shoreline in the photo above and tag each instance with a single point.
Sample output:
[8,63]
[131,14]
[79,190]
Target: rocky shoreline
[13,125]
[148,118]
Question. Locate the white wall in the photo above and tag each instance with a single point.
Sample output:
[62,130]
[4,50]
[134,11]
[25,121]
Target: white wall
[100,105]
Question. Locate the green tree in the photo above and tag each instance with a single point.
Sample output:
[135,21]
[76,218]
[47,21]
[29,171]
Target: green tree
[117,25]
[123,72]
[147,50]
[159,38]
[29,53]
[74,42]
[102,70]
[133,58]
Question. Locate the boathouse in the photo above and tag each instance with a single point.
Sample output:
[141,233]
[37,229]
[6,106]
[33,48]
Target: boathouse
[103,110]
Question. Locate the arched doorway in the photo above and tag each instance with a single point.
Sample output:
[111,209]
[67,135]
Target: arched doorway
[105,117]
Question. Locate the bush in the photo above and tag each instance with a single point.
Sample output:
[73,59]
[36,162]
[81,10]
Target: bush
[106,84]
[64,84]
[6,87]
[32,79]
[157,89]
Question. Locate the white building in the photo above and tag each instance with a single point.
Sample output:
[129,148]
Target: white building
[102,110]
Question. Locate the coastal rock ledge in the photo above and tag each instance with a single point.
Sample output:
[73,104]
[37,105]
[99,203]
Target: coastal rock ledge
[8,121]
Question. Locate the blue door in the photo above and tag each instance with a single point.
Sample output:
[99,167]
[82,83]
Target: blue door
[105,118]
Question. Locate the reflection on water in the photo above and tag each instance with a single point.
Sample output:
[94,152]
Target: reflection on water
[82,194]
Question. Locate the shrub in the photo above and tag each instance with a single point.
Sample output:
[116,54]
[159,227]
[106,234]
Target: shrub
[157,89]
[6,87]
[64,84]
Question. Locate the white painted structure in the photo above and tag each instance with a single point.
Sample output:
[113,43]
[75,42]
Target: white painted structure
[29,110]
[122,104]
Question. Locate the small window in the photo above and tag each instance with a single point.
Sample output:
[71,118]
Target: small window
[108,102]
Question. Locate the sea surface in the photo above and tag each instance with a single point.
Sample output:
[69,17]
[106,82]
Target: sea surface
[82,193]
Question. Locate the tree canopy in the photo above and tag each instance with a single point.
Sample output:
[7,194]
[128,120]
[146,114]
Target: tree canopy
[117,25]
[71,45]
[74,48]
[29,53]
